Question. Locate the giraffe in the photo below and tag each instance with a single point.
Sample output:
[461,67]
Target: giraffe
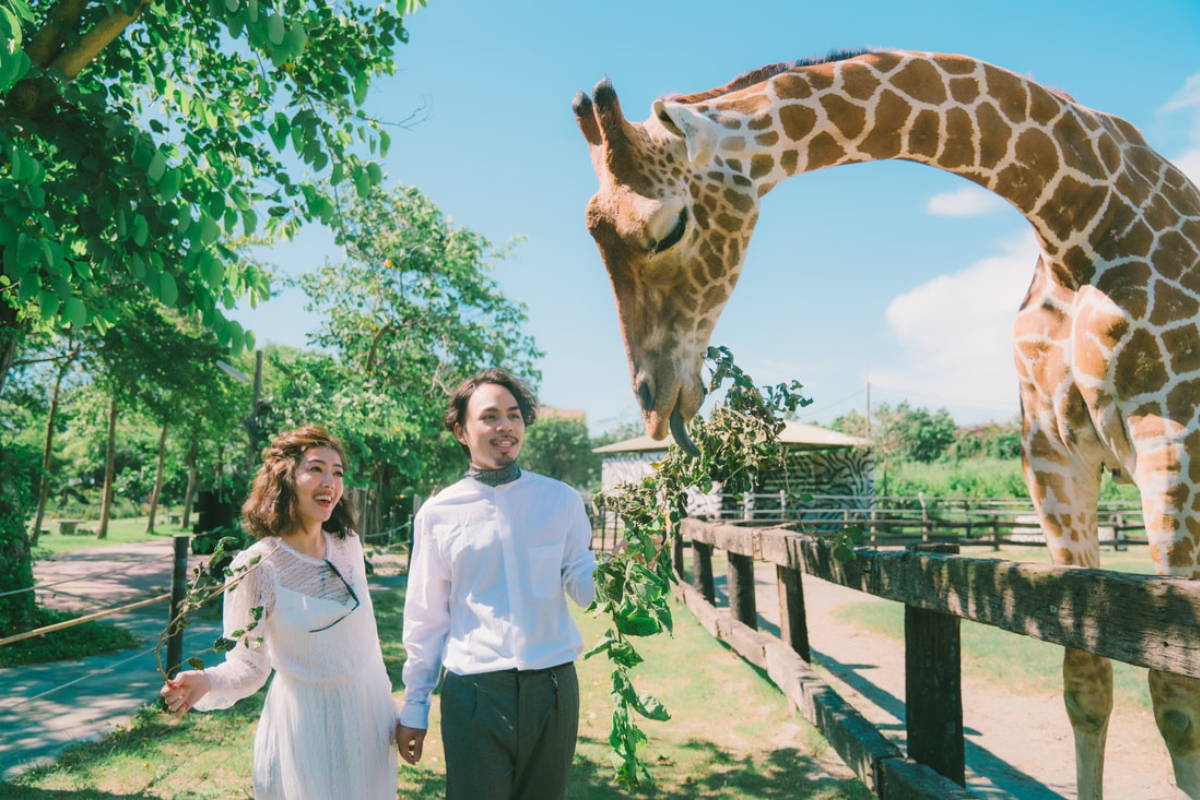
[1106,340]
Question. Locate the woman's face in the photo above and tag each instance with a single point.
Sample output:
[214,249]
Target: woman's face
[318,485]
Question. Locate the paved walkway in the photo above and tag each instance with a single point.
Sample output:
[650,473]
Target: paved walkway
[46,707]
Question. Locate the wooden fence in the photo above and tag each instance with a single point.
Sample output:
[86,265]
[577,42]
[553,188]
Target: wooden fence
[1143,620]
[903,520]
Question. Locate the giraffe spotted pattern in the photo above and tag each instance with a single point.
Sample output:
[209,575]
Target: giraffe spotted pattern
[1106,341]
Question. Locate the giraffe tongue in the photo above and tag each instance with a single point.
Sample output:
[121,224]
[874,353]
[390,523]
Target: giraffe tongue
[679,431]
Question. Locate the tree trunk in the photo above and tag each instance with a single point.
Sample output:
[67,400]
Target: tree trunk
[44,490]
[158,476]
[191,487]
[11,333]
[110,458]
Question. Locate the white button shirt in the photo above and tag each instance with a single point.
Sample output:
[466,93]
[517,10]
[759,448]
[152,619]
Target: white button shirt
[490,571]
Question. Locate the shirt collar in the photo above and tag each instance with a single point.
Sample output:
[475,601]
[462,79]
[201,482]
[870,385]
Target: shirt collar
[494,477]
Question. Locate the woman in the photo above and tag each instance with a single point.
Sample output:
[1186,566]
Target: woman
[328,723]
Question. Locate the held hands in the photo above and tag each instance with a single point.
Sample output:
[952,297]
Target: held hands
[181,693]
[411,742]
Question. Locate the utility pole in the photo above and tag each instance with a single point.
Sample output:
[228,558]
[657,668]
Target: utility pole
[868,408]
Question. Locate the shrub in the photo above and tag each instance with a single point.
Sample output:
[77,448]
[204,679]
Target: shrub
[19,473]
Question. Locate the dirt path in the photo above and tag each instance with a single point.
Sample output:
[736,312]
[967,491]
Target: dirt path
[1017,745]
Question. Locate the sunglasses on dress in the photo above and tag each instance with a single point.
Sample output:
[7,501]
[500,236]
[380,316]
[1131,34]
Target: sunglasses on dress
[349,589]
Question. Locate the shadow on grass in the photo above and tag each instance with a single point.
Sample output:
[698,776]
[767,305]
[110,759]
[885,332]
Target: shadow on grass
[151,732]
[705,770]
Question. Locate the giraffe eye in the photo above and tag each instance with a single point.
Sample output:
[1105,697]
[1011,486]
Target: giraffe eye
[673,237]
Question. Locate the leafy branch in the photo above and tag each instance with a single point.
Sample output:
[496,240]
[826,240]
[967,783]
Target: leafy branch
[737,443]
[210,580]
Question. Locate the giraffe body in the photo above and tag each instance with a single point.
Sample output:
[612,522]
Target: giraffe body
[1106,341]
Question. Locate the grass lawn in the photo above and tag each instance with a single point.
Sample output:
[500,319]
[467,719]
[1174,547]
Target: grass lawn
[732,736]
[120,531]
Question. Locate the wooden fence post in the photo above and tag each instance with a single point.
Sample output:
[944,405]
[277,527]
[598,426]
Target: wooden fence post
[933,686]
[702,576]
[677,554]
[995,530]
[179,573]
[793,624]
[741,589]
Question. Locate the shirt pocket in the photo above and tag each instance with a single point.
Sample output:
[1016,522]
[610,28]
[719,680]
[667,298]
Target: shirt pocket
[545,570]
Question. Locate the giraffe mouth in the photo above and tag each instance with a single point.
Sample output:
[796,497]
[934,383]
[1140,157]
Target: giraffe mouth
[679,433]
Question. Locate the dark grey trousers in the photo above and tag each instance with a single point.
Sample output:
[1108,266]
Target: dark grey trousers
[510,735]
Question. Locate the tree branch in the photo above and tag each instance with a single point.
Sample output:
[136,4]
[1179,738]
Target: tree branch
[44,47]
[95,40]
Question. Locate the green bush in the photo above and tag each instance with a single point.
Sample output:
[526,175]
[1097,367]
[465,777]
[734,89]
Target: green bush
[85,639]
[19,473]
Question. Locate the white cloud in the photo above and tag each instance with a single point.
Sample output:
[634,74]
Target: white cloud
[955,333]
[1189,162]
[969,201]
[1186,97]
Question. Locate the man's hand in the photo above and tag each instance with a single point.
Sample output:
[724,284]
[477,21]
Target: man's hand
[411,742]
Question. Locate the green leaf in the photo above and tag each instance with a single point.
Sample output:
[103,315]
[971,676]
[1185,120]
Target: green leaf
[362,83]
[239,198]
[214,270]
[48,302]
[195,663]
[168,290]
[157,167]
[275,28]
[249,222]
[141,230]
[279,131]
[170,182]
[209,230]
[31,284]
[75,311]
[297,38]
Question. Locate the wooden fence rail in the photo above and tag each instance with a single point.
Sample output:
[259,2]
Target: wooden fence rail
[1143,620]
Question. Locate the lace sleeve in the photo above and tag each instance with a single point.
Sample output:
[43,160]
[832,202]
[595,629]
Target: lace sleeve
[246,668]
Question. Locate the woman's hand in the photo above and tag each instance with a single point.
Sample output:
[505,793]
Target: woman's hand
[184,690]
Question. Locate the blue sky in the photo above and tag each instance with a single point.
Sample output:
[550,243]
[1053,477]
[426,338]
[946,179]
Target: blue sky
[891,273]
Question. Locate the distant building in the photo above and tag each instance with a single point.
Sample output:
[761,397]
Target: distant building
[819,461]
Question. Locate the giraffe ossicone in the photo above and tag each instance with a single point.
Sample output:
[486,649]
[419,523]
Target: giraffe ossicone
[1106,342]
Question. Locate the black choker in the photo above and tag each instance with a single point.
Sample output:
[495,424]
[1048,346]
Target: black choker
[495,477]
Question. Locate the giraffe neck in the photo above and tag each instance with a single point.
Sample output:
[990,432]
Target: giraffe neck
[1056,161]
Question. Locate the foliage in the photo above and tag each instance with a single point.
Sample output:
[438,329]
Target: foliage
[903,433]
[19,474]
[974,477]
[739,441]
[136,136]
[995,440]
[559,447]
[408,313]
[210,581]
[84,639]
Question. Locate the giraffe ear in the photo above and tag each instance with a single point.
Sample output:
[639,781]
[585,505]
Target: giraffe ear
[697,130]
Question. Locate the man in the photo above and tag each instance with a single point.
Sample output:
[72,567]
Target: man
[494,558]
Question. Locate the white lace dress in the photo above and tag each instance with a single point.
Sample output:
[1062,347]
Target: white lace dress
[328,724]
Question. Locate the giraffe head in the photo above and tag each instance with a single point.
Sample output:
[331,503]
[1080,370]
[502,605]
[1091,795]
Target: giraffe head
[672,218]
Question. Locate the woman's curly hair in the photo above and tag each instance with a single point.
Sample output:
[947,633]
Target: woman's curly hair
[273,507]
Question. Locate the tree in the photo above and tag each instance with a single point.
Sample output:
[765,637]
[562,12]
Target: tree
[155,361]
[559,447]
[136,135]
[407,314]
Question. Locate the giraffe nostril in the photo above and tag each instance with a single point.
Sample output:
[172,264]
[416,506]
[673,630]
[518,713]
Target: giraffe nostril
[645,395]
